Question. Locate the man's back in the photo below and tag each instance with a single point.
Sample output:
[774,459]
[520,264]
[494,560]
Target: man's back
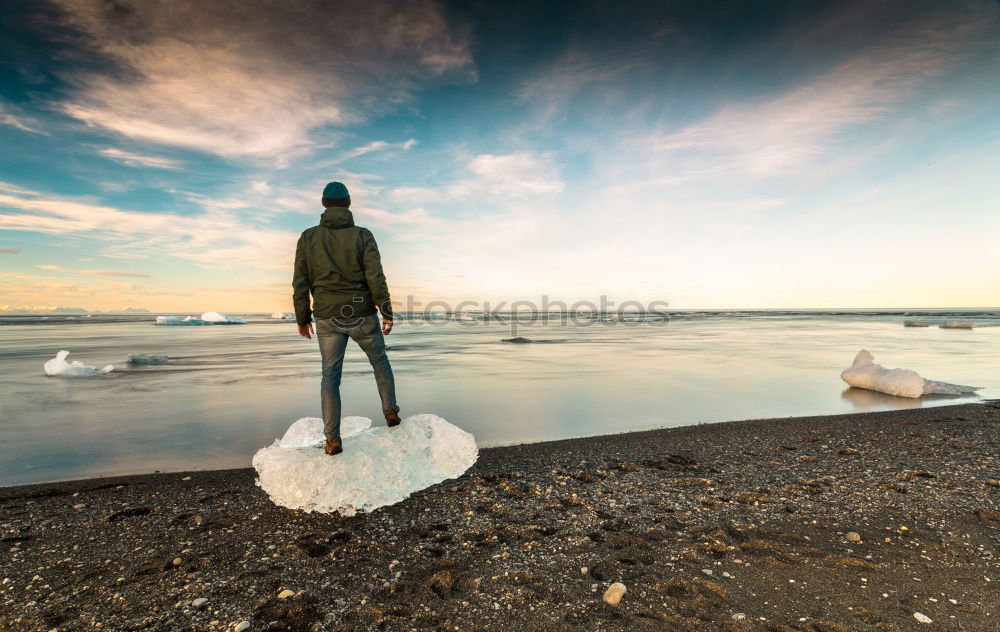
[339,264]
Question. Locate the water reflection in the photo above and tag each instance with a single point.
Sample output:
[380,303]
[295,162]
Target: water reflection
[227,391]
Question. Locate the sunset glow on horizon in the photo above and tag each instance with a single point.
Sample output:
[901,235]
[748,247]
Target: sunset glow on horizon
[166,155]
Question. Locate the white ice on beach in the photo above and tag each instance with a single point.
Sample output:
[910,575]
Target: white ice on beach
[379,466]
[279,315]
[864,373]
[216,317]
[58,366]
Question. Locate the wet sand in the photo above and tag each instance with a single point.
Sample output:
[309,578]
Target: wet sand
[744,525]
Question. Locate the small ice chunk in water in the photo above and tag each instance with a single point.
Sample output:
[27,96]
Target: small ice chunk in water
[59,366]
[379,466]
[176,320]
[225,319]
[308,431]
[958,324]
[864,373]
[145,358]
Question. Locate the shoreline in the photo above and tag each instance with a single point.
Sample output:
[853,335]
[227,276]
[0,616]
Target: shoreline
[104,478]
[701,522]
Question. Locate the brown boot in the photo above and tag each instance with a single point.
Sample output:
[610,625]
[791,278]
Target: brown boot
[333,446]
[392,418]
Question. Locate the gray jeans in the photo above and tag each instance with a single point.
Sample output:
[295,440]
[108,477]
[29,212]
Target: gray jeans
[333,335]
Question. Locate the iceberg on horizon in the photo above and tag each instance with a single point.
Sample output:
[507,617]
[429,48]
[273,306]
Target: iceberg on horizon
[178,321]
[221,319]
[864,373]
[279,315]
[58,366]
[379,466]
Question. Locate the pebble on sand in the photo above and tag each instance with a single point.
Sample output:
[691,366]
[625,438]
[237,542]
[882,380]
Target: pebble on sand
[613,595]
[285,594]
[739,616]
[922,618]
[242,626]
[200,603]
[853,536]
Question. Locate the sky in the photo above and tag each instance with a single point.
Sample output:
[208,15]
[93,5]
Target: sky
[798,154]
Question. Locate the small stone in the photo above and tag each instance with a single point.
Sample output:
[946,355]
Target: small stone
[993,482]
[739,616]
[584,570]
[853,536]
[79,506]
[199,603]
[613,595]
[922,618]
[707,571]
[241,626]
[177,561]
[186,478]
[285,594]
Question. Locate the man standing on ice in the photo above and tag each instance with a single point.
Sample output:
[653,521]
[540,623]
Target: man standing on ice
[339,264]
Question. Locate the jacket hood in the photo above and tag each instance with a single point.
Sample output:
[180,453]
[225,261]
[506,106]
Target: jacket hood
[336,217]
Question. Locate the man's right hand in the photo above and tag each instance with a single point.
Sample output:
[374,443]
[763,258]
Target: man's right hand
[306,331]
[386,326]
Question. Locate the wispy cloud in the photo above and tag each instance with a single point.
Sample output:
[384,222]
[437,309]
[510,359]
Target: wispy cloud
[790,131]
[256,83]
[114,273]
[138,160]
[514,176]
[10,251]
[378,145]
[19,121]
[218,237]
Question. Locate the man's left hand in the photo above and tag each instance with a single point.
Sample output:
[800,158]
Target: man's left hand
[306,331]
[386,326]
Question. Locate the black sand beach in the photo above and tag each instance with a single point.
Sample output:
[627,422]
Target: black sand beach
[745,525]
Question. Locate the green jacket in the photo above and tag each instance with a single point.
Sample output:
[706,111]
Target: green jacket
[339,264]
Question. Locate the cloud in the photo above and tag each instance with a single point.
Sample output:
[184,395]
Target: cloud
[113,273]
[573,71]
[138,160]
[254,82]
[219,237]
[10,251]
[791,131]
[520,174]
[377,145]
[17,121]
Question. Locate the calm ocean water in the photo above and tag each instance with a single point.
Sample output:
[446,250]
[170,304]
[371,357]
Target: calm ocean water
[229,390]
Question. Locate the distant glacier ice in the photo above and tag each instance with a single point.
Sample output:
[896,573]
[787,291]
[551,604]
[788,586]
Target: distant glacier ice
[208,318]
[379,466]
[58,366]
[864,373]
[222,319]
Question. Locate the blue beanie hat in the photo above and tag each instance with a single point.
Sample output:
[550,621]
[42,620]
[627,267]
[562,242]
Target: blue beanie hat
[335,190]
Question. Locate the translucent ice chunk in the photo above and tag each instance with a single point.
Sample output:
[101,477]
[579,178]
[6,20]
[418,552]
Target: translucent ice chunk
[136,359]
[308,431]
[223,319]
[58,366]
[864,373]
[379,466]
